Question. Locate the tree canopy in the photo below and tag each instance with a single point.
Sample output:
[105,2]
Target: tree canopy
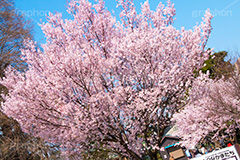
[105,84]
[14,29]
[217,66]
[213,109]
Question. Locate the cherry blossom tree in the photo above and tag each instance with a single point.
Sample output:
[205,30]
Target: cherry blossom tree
[103,84]
[213,109]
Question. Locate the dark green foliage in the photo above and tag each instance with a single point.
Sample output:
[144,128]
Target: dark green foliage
[217,66]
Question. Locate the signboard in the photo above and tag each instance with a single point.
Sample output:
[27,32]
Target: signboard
[177,153]
[229,153]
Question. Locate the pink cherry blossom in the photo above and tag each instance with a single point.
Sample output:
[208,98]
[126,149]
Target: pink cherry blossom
[213,107]
[99,82]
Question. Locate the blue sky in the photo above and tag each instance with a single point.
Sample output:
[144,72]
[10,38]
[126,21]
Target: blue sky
[226,21]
